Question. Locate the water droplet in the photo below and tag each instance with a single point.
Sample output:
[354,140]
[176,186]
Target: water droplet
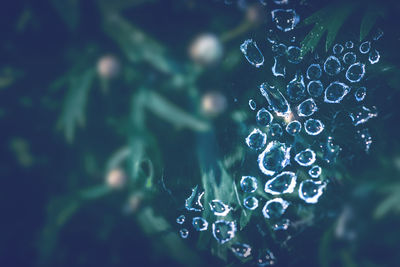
[330,151]
[263,117]
[285,19]
[283,183]
[256,139]
[281,2]
[279,49]
[349,58]
[219,208]
[315,88]
[335,92]
[274,158]
[360,94]
[248,184]
[275,208]
[355,72]
[252,53]
[307,108]
[199,224]
[332,65]
[266,258]
[180,219]
[223,231]
[193,202]
[278,69]
[349,44]
[250,203]
[366,139]
[305,157]
[296,88]
[184,233]
[313,126]
[275,130]
[241,250]
[263,2]
[311,190]
[293,39]
[374,56]
[294,54]
[337,49]
[252,104]
[315,171]
[363,115]
[378,35]
[365,47]
[293,128]
[276,100]
[314,72]
[282,225]
[272,37]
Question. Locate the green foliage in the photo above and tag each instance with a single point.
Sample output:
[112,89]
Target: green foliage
[373,12]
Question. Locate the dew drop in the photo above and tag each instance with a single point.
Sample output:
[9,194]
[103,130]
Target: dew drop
[365,138]
[314,72]
[285,19]
[275,130]
[219,208]
[252,53]
[313,126]
[315,171]
[311,190]
[276,100]
[241,250]
[180,219]
[275,208]
[266,258]
[250,203]
[374,56]
[332,65]
[365,47]
[281,2]
[378,35]
[315,88]
[263,117]
[199,224]
[349,58]
[271,36]
[281,184]
[296,88]
[349,44]
[335,92]
[307,108]
[193,202]
[363,115]
[294,54]
[279,49]
[256,139]
[330,151]
[252,104]
[355,72]
[337,49]
[293,128]
[248,184]
[305,157]
[223,231]
[184,233]
[274,158]
[282,225]
[360,94]
[278,69]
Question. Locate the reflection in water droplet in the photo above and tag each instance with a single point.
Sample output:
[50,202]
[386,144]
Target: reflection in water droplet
[366,139]
[248,184]
[274,158]
[307,108]
[282,225]
[315,171]
[294,54]
[313,126]
[305,157]
[266,258]
[330,151]
[296,88]
[199,224]
[315,88]
[256,139]
[363,115]
[285,20]
[180,219]
[311,190]
[275,208]
[278,69]
[349,44]
[283,183]
[252,104]
[275,130]
[276,100]
[355,72]
[349,58]
[193,202]
[337,49]
[335,92]
[223,231]
[365,47]
[241,250]
[360,94]
[253,55]
[184,233]
[314,72]
[374,56]
[293,128]
[263,117]
[332,65]
[250,203]
[219,208]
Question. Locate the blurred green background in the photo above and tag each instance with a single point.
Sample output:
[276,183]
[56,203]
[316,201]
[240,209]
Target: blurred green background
[112,110]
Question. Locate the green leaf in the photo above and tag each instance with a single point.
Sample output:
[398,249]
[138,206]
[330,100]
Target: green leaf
[68,10]
[372,13]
